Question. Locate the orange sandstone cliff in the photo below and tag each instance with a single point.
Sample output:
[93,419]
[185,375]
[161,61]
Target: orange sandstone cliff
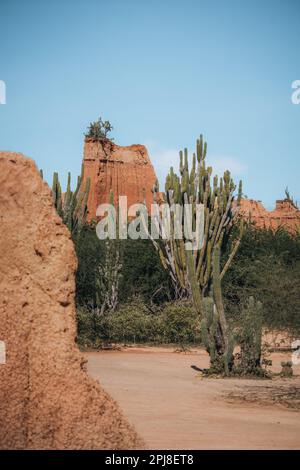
[285,215]
[127,171]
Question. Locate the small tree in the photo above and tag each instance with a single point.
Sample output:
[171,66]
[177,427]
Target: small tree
[99,130]
[108,277]
[109,273]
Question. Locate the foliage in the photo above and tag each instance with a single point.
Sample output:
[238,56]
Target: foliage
[267,267]
[133,322]
[143,274]
[99,130]
[179,323]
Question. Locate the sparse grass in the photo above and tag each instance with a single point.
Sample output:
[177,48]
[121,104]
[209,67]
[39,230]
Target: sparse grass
[286,395]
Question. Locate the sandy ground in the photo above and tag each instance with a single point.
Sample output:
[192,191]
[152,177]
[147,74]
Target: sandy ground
[173,407]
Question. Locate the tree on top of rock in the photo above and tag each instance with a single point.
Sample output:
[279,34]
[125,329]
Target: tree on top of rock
[99,130]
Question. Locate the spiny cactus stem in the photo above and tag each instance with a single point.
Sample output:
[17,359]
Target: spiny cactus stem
[230,259]
[219,304]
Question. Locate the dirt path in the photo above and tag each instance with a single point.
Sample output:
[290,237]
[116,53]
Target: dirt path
[173,408]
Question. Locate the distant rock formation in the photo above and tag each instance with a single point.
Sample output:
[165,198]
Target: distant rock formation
[47,400]
[127,171]
[285,215]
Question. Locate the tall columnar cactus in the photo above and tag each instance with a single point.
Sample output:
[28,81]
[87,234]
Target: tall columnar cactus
[71,206]
[209,328]
[227,342]
[191,270]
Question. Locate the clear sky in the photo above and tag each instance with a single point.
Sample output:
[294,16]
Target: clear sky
[162,72]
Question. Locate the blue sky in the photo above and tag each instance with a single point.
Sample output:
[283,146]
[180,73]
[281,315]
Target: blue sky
[162,72]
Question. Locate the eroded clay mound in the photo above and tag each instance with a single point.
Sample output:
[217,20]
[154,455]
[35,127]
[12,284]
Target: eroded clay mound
[285,215]
[47,400]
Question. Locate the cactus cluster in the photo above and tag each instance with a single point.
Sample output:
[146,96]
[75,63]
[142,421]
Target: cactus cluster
[195,269]
[250,337]
[71,206]
[191,270]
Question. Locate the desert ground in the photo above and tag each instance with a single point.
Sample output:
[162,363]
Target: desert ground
[173,407]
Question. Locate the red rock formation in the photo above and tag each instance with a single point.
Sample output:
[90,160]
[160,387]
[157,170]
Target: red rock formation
[127,171]
[285,215]
[47,400]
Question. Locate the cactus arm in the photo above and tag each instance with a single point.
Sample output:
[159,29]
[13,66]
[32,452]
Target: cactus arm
[217,291]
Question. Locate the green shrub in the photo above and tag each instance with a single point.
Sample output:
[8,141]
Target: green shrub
[91,329]
[179,323]
[267,267]
[133,322]
[99,130]
[142,273]
[90,252]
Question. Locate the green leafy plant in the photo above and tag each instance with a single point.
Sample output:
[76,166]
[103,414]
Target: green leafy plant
[266,267]
[99,130]
[179,323]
